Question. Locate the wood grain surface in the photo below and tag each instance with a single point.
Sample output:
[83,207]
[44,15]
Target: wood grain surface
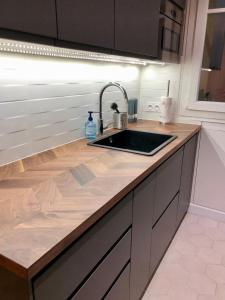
[50,199]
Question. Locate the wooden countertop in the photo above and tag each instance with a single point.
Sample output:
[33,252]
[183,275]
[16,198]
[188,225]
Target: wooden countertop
[50,199]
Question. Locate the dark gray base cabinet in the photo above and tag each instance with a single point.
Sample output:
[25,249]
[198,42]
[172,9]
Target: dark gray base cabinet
[167,183]
[143,204]
[187,177]
[63,278]
[117,257]
[102,278]
[159,202]
[162,234]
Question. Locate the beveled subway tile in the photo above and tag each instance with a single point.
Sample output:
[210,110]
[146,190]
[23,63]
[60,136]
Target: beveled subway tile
[30,105]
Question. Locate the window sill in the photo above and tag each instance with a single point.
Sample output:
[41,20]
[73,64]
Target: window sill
[207,106]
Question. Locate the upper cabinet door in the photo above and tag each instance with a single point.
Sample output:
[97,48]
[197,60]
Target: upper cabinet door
[88,22]
[137,26]
[29,16]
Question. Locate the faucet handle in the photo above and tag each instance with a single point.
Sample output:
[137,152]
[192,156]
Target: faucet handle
[101,127]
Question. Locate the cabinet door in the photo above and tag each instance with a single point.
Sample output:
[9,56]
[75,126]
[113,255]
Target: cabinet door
[137,26]
[181,3]
[88,22]
[187,177]
[141,236]
[168,182]
[29,16]
[162,234]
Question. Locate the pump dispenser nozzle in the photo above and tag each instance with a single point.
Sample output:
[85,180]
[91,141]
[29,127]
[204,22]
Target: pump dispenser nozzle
[90,118]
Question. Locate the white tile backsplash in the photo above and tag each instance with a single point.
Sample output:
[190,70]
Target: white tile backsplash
[153,85]
[44,103]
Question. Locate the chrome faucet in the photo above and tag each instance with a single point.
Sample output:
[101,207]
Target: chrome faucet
[101,127]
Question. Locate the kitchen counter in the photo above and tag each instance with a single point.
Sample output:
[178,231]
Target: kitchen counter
[50,199]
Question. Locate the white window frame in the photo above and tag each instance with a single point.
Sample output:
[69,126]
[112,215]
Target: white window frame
[196,62]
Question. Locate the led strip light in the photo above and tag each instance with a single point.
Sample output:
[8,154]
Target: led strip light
[45,50]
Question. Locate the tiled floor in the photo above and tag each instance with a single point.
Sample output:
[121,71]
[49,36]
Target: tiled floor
[194,265]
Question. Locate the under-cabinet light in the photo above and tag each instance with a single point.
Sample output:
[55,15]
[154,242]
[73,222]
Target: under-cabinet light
[207,70]
[45,50]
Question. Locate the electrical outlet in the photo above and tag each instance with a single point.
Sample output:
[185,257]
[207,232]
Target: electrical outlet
[152,107]
[157,108]
[149,107]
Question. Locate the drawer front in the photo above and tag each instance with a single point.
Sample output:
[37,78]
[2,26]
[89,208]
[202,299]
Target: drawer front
[167,183]
[163,233]
[121,288]
[100,281]
[62,277]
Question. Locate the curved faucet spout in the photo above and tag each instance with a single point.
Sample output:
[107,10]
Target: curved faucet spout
[122,89]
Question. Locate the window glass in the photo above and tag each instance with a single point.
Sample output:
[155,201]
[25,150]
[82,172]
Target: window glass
[212,81]
[216,3]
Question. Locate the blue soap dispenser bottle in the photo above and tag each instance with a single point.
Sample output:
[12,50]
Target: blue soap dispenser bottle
[90,127]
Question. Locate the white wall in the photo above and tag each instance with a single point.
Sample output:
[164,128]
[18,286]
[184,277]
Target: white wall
[210,176]
[209,189]
[44,101]
[154,82]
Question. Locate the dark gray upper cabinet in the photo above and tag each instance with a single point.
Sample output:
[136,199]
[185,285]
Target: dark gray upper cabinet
[143,203]
[89,22]
[29,16]
[137,26]
[187,177]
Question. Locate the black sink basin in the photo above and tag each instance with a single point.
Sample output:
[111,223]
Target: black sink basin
[146,143]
